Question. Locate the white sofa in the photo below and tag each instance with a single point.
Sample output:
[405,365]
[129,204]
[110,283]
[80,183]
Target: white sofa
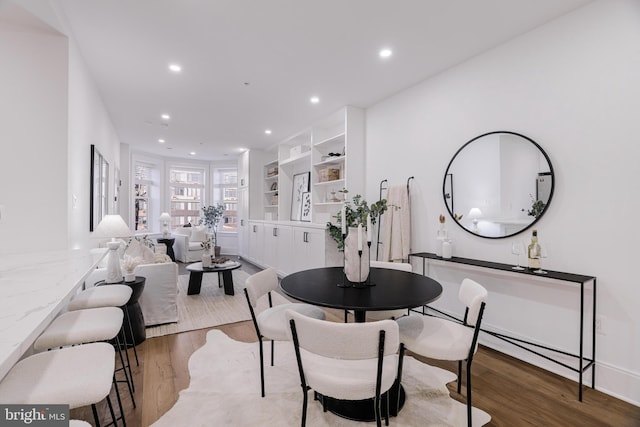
[188,244]
[159,297]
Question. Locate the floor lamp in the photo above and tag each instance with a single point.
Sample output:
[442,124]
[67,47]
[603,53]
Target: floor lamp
[113,226]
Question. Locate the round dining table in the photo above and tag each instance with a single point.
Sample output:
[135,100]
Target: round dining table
[385,289]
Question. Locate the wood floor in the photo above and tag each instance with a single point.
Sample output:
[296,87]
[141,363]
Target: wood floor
[514,393]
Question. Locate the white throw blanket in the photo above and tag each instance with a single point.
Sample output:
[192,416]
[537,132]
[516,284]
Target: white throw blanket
[396,225]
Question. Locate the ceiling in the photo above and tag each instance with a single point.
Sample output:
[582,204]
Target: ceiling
[252,65]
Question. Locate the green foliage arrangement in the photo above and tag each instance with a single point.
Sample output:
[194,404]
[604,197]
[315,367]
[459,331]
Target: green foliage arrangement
[356,213]
[537,206]
[212,216]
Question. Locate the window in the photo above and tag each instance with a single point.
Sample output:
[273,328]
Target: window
[225,191]
[141,192]
[186,191]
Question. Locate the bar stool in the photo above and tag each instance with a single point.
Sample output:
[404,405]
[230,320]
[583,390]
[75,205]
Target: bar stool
[87,326]
[75,376]
[107,296]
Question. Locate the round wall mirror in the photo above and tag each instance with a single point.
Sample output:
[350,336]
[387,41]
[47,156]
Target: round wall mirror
[498,184]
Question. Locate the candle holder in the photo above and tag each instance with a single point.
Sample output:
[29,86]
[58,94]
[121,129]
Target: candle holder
[369,282]
[344,263]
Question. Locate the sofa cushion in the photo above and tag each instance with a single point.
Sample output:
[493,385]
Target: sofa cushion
[195,246]
[137,250]
[198,234]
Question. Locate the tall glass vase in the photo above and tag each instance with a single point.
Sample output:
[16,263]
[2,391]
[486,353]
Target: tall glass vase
[356,268]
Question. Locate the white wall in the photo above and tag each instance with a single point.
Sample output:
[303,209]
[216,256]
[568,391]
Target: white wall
[33,139]
[53,114]
[572,86]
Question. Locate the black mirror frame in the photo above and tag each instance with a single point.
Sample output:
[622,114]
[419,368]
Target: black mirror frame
[446,175]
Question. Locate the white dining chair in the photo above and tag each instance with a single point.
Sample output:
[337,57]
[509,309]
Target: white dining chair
[442,339]
[346,361]
[270,323]
[389,314]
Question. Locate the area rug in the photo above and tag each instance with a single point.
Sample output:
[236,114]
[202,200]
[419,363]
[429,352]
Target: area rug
[211,307]
[225,391]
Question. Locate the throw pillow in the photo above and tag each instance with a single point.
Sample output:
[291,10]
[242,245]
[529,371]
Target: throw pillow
[162,258]
[198,234]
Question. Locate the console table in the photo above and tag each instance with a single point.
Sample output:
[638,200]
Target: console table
[584,362]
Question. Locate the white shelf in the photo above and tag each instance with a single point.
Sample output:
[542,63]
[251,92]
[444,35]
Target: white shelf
[339,138]
[271,178]
[325,183]
[271,192]
[331,161]
[328,203]
[291,161]
[271,206]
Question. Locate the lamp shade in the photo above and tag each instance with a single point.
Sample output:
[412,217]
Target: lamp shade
[112,226]
[475,213]
[165,217]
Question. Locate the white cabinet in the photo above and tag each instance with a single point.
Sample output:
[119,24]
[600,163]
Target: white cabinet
[308,248]
[277,248]
[243,222]
[256,242]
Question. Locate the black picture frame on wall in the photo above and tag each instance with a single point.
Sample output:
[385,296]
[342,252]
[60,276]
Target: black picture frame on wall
[299,187]
[99,188]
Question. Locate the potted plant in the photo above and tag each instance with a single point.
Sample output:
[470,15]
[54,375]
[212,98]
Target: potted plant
[212,216]
[356,212]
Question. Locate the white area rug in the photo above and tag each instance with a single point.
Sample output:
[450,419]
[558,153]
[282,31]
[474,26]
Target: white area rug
[209,308]
[225,391]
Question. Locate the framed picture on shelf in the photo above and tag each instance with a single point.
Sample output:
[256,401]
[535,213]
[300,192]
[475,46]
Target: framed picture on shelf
[300,186]
[306,207]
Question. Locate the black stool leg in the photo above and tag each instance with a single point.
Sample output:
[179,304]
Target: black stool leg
[133,338]
[124,369]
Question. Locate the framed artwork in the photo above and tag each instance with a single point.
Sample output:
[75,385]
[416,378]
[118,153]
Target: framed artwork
[99,197]
[300,186]
[306,207]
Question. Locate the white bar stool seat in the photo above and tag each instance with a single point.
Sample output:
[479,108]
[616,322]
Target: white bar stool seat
[106,296]
[76,376]
[87,326]
[81,327]
[101,296]
[78,423]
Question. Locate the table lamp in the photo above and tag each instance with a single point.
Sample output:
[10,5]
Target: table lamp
[113,226]
[474,214]
[164,220]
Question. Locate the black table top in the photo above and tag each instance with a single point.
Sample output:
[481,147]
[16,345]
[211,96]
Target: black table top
[394,289]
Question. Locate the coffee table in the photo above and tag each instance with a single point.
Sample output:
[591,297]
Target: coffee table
[224,271]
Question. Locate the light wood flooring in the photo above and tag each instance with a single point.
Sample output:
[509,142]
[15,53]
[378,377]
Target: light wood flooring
[513,392]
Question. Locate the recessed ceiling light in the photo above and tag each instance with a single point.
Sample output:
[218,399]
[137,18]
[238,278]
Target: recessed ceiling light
[314,99]
[385,53]
[192,153]
[267,131]
[165,117]
[175,68]
[161,141]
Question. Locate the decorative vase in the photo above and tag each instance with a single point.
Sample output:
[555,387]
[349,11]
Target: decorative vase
[130,277]
[442,235]
[206,259]
[216,251]
[356,267]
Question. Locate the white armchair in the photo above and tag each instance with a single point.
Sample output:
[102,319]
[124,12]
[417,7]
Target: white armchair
[188,247]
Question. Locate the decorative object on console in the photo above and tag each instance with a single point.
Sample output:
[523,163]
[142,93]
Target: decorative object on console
[165,218]
[441,235]
[113,226]
[533,252]
[474,214]
[447,249]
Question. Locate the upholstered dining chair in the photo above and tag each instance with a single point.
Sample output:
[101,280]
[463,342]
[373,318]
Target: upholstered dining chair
[346,361]
[442,339]
[389,314]
[270,323]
